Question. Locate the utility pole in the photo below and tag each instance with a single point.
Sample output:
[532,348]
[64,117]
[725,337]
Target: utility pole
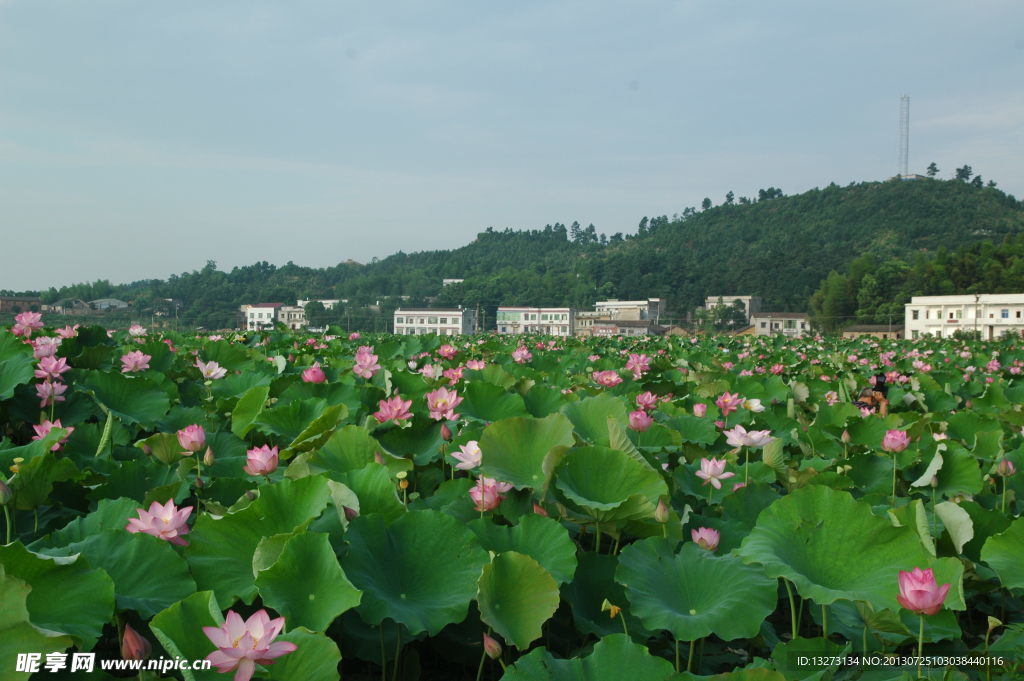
[476,320]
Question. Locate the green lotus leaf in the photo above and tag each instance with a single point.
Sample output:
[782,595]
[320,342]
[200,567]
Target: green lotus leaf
[17,634]
[516,597]
[614,658]
[179,628]
[694,593]
[348,449]
[590,417]
[957,523]
[67,595]
[306,584]
[543,399]
[134,400]
[14,371]
[608,484]
[249,381]
[489,402]
[593,584]
[1004,553]
[291,419]
[376,491]
[248,409]
[316,658]
[523,451]
[543,539]
[833,547]
[34,482]
[960,473]
[110,514]
[786,658]
[420,571]
[220,550]
[148,573]
[695,429]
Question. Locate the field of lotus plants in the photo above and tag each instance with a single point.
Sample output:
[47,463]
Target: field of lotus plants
[303,508]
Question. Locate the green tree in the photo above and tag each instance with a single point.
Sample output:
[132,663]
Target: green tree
[964,173]
[933,169]
[706,203]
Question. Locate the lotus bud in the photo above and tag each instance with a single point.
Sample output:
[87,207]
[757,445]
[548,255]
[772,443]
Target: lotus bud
[446,432]
[612,610]
[491,647]
[539,510]
[845,437]
[250,495]
[5,493]
[378,458]
[661,513]
[934,481]
[199,483]
[1006,468]
[134,646]
[350,513]
[208,457]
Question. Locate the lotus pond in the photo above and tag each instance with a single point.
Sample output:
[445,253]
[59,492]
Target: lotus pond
[305,508]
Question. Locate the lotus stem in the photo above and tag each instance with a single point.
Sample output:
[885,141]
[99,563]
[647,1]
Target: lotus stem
[7,518]
[746,464]
[597,536]
[689,657]
[383,656]
[398,651]
[824,622]
[1003,503]
[625,630]
[894,479]
[920,645]
[677,656]
[480,667]
[792,609]
[864,640]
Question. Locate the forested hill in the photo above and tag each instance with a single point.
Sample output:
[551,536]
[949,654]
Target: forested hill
[779,247]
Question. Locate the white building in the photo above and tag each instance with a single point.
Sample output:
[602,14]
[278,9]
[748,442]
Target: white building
[328,303]
[552,321]
[261,315]
[789,324]
[636,310]
[292,316]
[751,304]
[990,314]
[441,321]
[449,282]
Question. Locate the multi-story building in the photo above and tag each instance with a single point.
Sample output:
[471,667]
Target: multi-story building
[791,324]
[635,310]
[751,304]
[328,303]
[626,327]
[992,315]
[442,321]
[552,321]
[292,316]
[261,315]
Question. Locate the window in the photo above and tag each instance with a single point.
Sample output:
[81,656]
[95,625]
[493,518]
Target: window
[914,334]
[914,314]
[444,320]
[399,320]
[764,324]
[431,320]
[790,324]
[926,314]
[1018,314]
[1004,314]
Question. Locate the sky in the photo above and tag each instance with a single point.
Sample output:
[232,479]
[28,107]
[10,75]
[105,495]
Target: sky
[142,139]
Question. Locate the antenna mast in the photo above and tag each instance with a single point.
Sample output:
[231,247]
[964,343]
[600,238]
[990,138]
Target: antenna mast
[904,130]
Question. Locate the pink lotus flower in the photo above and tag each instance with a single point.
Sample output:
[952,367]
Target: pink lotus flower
[476,364]
[741,437]
[354,336]
[606,378]
[639,420]
[712,471]
[136,330]
[491,647]
[51,368]
[593,358]
[134,645]
[243,645]
[134,361]
[366,363]
[469,456]
[162,520]
[447,351]
[442,403]
[639,365]
[895,441]
[728,403]
[776,369]
[27,322]
[521,355]
[700,409]
[396,409]
[738,485]
[261,460]
[45,346]
[192,439]
[44,428]
[831,397]
[1005,467]
[50,392]
[488,493]
[454,375]
[646,400]
[920,593]
[67,331]
[314,374]
[705,537]
[211,370]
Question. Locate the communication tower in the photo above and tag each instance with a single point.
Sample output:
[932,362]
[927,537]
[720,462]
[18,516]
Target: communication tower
[904,131]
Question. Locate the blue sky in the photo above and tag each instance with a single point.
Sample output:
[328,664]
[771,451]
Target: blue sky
[140,139]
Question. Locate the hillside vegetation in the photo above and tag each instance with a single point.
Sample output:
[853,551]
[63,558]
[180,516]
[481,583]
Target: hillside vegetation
[852,252]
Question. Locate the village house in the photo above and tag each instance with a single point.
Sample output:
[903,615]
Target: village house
[552,321]
[440,321]
[789,324]
[260,316]
[991,315]
[881,331]
[751,304]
